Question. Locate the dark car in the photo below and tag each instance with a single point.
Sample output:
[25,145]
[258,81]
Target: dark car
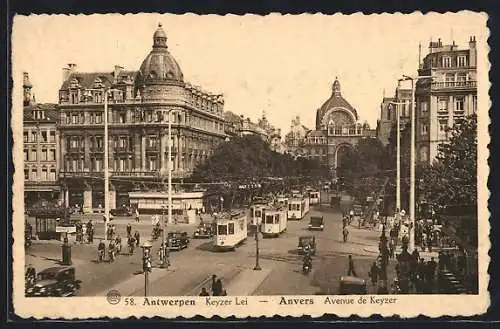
[316,223]
[350,285]
[55,282]
[122,212]
[204,231]
[306,242]
[177,240]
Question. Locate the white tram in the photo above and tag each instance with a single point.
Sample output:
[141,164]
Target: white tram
[282,200]
[274,222]
[314,197]
[230,230]
[256,212]
[297,208]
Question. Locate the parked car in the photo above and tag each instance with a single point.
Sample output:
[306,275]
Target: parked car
[204,231]
[122,211]
[177,240]
[305,241]
[316,223]
[350,285]
[56,281]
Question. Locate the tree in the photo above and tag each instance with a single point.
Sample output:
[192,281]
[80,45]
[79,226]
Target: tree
[452,177]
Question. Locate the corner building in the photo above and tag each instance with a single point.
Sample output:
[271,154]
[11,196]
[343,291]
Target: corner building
[449,95]
[140,104]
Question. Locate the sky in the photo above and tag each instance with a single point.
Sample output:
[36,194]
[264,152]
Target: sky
[283,65]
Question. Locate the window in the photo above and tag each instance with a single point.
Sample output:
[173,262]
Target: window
[122,165]
[424,154]
[230,228]
[443,104]
[25,136]
[462,79]
[123,142]
[462,61]
[97,164]
[424,110]
[152,141]
[74,165]
[222,229]
[74,118]
[26,174]
[44,174]
[152,164]
[459,103]
[33,155]
[44,137]
[446,61]
[25,155]
[52,136]
[34,175]
[424,129]
[74,97]
[449,80]
[44,155]
[33,136]
[98,118]
[52,155]
[98,142]
[443,126]
[52,175]
[474,104]
[122,118]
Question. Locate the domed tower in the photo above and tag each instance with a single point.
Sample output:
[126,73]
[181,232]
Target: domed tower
[336,109]
[27,86]
[159,69]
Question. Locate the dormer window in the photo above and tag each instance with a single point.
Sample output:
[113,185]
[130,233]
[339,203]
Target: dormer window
[462,61]
[98,83]
[74,83]
[446,61]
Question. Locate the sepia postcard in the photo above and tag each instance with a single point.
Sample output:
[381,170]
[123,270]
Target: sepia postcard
[183,165]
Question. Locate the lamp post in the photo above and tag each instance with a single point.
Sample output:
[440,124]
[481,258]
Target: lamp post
[146,264]
[163,249]
[257,250]
[398,156]
[412,160]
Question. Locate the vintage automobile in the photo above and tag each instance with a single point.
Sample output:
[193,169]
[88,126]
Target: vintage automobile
[204,231]
[177,240]
[304,242]
[57,281]
[351,285]
[358,210]
[122,211]
[316,223]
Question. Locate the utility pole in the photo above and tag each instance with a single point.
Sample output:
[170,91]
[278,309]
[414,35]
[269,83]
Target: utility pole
[257,250]
[106,167]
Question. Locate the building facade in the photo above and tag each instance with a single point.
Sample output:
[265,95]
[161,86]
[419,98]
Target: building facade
[450,94]
[140,105]
[40,143]
[295,138]
[401,101]
[337,130]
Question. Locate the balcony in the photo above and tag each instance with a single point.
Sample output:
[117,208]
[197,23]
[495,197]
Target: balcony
[460,85]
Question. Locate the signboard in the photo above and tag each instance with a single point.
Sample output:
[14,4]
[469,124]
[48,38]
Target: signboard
[65,229]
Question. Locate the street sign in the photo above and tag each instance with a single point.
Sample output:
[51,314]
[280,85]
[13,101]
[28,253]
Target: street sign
[65,229]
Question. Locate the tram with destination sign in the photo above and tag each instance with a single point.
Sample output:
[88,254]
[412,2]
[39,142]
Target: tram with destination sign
[282,200]
[274,222]
[297,208]
[314,197]
[230,230]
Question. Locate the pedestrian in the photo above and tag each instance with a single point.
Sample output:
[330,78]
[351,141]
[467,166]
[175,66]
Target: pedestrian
[391,248]
[204,292]
[137,237]
[373,274]
[218,288]
[137,215]
[345,233]
[214,284]
[351,270]
[129,229]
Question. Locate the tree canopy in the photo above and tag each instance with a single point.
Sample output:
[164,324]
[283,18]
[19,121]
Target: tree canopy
[249,157]
[452,177]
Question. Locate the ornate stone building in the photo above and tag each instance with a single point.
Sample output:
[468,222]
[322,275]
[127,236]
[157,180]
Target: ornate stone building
[451,94]
[337,129]
[295,138]
[139,105]
[40,143]
[388,113]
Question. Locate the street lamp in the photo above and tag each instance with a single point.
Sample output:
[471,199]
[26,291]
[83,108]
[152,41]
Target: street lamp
[398,156]
[105,92]
[412,159]
[146,264]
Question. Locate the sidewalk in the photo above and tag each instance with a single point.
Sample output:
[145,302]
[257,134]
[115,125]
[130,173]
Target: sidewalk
[247,282]
[423,254]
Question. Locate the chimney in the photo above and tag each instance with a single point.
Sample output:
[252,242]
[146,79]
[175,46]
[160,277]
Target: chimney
[472,42]
[118,70]
[472,52]
[65,73]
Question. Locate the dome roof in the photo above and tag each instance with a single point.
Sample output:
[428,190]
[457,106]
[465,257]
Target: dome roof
[159,66]
[335,101]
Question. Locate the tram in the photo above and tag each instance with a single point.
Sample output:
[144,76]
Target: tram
[282,200]
[314,197]
[297,208]
[231,230]
[256,211]
[274,222]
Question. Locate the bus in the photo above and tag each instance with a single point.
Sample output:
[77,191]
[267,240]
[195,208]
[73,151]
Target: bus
[230,230]
[296,208]
[274,222]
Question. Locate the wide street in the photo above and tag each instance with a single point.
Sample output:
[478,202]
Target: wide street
[192,268]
